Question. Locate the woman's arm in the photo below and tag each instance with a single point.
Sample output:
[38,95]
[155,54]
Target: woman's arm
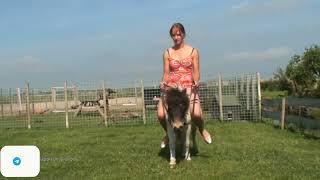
[196,66]
[165,77]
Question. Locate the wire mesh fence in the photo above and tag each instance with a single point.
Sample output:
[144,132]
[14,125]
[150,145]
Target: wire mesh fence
[100,103]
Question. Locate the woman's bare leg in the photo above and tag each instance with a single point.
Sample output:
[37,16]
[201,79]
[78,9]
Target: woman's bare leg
[161,115]
[197,116]
[161,118]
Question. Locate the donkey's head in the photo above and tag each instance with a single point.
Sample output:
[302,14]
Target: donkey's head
[178,104]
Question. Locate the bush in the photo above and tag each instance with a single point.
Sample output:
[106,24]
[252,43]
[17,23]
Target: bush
[270,85]
[315,113]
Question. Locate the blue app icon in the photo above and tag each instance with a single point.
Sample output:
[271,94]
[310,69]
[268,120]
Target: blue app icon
[16,161]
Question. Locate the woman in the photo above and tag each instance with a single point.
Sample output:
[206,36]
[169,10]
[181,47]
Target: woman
[181,67]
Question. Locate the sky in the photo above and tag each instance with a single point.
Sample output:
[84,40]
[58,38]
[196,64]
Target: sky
[119,41]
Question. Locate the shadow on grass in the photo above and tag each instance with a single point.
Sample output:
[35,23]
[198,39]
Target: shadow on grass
[313,134]
[165,153]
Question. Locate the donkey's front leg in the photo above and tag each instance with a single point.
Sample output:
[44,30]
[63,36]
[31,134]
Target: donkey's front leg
[187,143]
[172,146]
[187,138]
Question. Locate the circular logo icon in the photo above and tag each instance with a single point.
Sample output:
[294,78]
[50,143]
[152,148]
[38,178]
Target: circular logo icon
[16,161]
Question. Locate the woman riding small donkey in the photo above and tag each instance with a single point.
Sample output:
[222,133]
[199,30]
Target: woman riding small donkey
[181,68]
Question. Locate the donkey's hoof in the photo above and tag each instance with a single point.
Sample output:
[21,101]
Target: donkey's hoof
[172,163]
[187,157]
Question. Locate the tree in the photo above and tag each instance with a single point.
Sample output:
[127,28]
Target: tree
[301,77]
[283,81]
[311,61]
[302,74]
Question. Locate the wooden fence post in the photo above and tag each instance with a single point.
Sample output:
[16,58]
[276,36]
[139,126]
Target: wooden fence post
[237,88]
[259,96]
[75,95]
[66,103]
[28,105]
[135,92]
[247,92]
[32,100]
[19,100]
[1,101]
[253,92]
[54,98]
[283,112]
[117,96]
[242,79]
[10,99]
[105,104]
[220,97]
[143,104]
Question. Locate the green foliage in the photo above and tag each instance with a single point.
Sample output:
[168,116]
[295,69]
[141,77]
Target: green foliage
[311,60]
[302,79]
[302,75]
[283,81]
[317,90]
[278,83]
[315,113]
[271,85]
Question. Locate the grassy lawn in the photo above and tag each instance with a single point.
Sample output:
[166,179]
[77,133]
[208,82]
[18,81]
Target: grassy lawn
[274,94]
[241,150]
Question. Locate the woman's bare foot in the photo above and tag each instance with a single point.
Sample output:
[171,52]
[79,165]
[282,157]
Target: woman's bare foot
[206,136]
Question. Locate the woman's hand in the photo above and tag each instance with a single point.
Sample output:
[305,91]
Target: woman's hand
[163,86]
[196,84]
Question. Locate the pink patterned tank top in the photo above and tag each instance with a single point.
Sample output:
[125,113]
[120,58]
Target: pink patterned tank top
[180,72]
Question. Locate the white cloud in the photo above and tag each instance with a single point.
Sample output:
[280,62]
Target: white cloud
[267,7]
[262,55]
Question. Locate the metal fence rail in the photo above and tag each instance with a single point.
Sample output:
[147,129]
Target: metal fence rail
[100,103]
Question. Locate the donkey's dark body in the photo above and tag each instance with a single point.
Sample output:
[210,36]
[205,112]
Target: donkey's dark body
[179,124]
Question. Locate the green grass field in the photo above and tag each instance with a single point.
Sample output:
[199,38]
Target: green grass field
[241,150]
[274,94]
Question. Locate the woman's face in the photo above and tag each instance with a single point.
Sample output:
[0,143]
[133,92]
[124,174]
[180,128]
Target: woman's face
[177,36]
